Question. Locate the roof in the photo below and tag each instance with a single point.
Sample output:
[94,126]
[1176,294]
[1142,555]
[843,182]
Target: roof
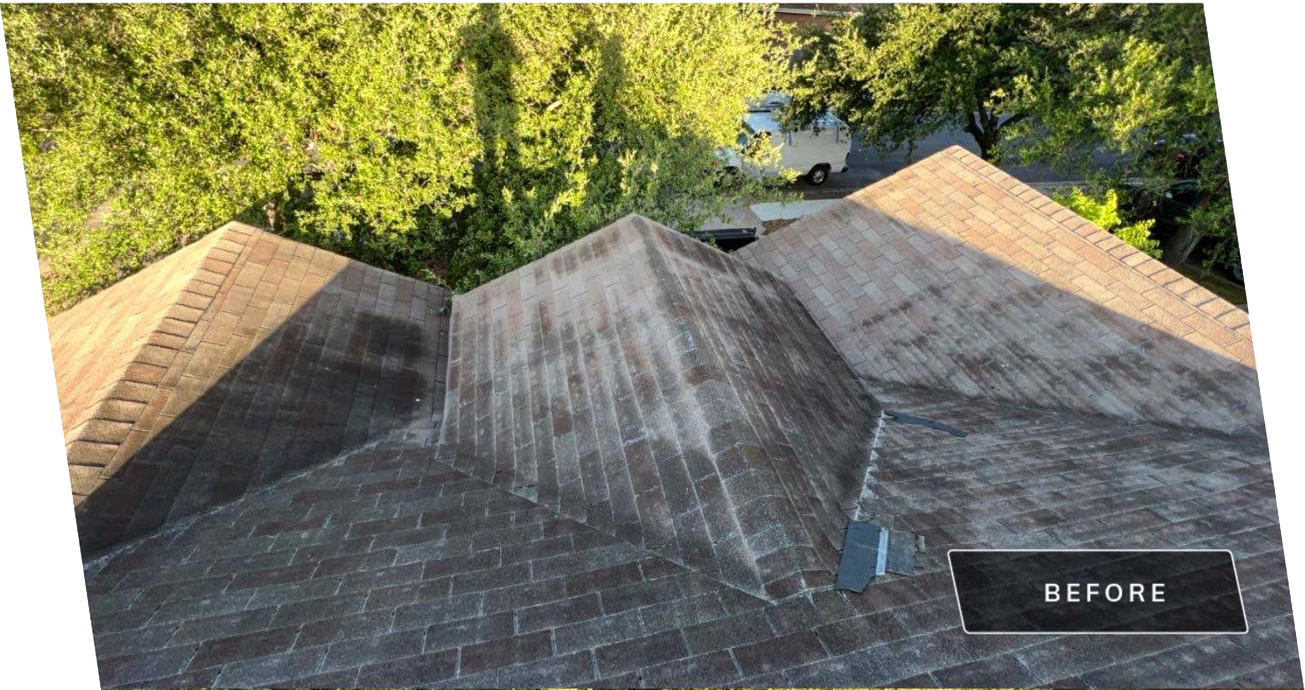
[628,382]
[391,567]
[511,552]
[953,275]
[228,363]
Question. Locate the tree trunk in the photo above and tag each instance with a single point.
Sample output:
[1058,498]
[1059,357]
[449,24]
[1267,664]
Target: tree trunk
[984,129]
[1180,246]
[987,141]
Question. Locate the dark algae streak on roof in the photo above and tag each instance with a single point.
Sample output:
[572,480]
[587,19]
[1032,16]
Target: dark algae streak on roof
[235,360]
[631,462]
[648,386]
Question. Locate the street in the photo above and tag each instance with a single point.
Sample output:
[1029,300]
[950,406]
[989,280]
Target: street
[866,166]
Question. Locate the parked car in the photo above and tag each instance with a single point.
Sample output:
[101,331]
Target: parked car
[815,152]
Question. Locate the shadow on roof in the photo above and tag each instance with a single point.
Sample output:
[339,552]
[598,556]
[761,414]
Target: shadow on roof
[953,276]
[279,376]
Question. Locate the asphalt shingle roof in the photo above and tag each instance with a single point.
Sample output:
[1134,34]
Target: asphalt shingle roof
[390,567]
[512,552]
[238,358]
[954,275]
[630,382]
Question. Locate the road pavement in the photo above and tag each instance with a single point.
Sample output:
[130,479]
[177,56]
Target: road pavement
[866,166]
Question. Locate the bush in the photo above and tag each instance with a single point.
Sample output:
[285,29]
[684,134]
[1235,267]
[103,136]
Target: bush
[1104,213]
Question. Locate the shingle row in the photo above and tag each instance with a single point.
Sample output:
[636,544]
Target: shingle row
[659,391]
[280,356]
[953,275]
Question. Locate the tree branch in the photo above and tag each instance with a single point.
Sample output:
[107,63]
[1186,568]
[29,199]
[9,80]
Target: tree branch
[1013,119]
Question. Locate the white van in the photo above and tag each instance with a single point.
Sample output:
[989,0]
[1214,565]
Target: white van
[815,151]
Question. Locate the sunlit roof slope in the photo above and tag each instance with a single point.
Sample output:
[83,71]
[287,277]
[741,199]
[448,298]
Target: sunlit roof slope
[951,274]
[239,358]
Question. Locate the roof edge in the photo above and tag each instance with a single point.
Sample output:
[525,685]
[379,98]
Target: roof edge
[1219,315]
[120,421]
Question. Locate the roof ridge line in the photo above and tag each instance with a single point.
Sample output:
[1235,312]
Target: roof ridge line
[1232,320]
[646,230]
[675,280]
[1196,295]
[140,369]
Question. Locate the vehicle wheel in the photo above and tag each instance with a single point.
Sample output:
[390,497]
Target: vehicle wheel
[818,175]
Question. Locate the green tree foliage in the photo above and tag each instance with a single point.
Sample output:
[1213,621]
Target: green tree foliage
[1137,82]
[1103,212]
[899,73]
[1061,84]
[450,142]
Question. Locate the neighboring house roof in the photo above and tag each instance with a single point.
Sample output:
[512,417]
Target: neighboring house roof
[230,362]
[509,553]
[953,275]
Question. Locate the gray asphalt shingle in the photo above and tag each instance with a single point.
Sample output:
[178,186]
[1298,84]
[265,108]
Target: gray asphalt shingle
[607,409]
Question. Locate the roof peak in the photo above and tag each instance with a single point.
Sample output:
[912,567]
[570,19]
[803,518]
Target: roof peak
[617,383]
[235,359]
[134,341]
[953,275]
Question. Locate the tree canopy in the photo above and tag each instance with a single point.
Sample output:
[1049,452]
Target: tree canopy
[449,142]
[1069,85]
[898,73]
[1137,81]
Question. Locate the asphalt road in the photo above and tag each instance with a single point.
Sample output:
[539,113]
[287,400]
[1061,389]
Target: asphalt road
[866,166]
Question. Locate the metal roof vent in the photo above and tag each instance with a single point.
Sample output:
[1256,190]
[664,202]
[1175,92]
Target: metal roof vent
[869,551]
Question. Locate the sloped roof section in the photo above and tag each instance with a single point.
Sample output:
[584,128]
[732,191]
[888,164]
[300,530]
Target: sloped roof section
[239,358]
[660,391]
[953,275]
[388,567]
[111,350]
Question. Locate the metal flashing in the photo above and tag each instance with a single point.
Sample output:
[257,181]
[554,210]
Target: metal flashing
[921,421]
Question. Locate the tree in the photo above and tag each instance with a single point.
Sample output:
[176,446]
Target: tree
[1070,85]
[1141,86]
[898,73]
[449,142]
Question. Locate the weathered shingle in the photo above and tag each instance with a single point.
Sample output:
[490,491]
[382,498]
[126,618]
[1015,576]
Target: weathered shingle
[632,382]
[498,557]
[237,359]
[953,275]
[611,611]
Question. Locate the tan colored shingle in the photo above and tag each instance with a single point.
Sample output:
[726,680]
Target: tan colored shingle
[952,242]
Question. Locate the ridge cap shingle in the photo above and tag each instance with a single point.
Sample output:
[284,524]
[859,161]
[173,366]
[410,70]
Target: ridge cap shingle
[1145,266]
[238,357]
[148,354]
